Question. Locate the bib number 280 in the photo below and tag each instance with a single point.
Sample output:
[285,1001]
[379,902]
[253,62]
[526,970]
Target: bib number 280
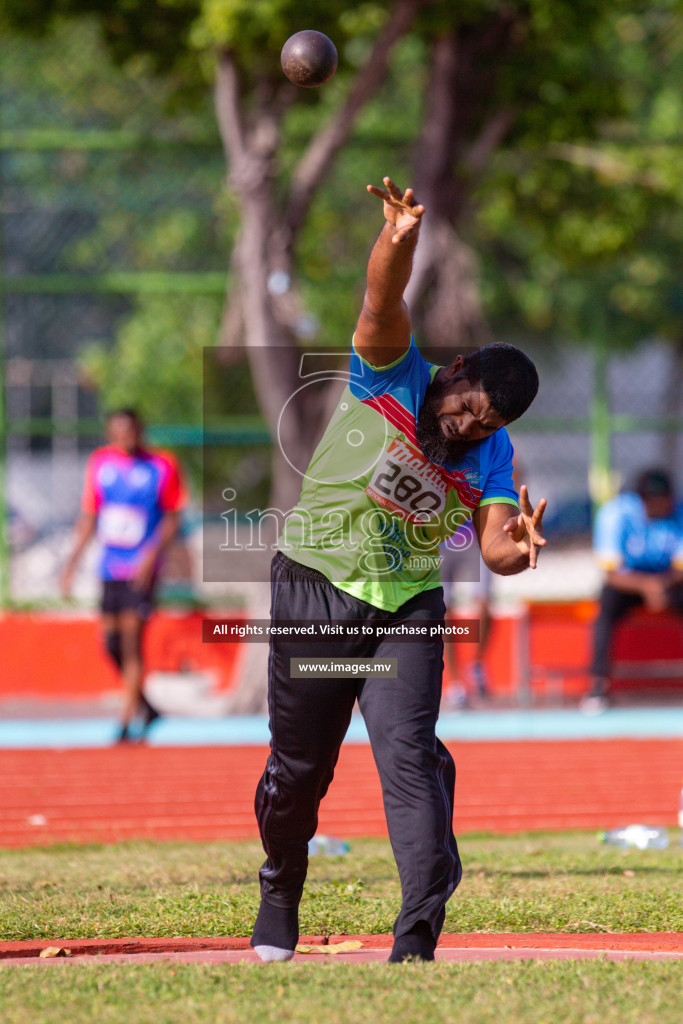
[407,483]
[406,488]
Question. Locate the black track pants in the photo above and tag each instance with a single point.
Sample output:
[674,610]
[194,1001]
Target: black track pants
[308,721]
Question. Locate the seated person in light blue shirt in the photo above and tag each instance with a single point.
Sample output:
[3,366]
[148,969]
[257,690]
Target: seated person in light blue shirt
[639,543]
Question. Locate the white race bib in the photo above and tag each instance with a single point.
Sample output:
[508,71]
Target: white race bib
[405,481]
[121,526]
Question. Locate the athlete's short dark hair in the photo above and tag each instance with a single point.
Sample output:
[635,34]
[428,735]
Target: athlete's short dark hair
[506,375]
[129,413]
[654,483]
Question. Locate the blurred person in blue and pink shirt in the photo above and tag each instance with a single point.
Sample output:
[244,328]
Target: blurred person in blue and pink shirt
[131,502]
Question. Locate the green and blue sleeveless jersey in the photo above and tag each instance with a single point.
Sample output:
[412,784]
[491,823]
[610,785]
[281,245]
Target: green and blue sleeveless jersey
[373,508]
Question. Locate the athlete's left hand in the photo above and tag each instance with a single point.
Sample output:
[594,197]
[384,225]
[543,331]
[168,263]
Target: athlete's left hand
[400,209]
[525,529]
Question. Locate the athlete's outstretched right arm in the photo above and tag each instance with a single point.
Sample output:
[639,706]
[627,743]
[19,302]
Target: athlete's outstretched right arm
[383,330]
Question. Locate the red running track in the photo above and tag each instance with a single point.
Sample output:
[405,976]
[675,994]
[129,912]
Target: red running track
[206,793]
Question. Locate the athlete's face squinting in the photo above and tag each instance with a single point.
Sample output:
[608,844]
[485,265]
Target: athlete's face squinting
[454,417]
[124,433]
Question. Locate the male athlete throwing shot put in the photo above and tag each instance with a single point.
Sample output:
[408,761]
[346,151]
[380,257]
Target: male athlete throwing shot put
[411,451]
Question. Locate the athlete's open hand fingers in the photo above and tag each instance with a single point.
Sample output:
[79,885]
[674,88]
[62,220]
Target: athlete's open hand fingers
[525,502]
[534,534]
[534,516]
[515,526]
[379,192]
[394,190]
[400,209]
[525,529]
[409,200]
[391,194]
[537,518]
[536,541]
[406,200]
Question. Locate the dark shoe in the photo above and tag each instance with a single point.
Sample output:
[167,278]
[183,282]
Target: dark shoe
[124,736]
[276,932]
[149,712]
[417,944]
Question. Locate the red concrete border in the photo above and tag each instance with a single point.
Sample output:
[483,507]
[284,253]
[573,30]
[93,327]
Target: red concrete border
[452,948]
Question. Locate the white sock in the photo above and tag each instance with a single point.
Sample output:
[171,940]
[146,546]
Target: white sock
[273,954]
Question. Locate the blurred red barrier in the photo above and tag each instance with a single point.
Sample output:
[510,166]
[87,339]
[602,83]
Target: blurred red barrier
[58,656]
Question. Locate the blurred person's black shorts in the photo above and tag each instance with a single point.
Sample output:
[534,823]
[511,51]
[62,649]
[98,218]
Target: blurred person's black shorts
[123,595]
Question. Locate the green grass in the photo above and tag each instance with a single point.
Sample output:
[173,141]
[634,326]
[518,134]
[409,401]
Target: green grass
[553,882]
[533,882]
[584,992]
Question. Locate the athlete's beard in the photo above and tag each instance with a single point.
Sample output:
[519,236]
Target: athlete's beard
[437,447]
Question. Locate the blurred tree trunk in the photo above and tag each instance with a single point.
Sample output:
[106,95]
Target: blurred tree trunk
[263,310]
[460,131]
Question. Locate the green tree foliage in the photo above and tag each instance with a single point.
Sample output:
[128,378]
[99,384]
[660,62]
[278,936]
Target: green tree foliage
[167,35]
[164,342]
[572,199]
[579,231]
